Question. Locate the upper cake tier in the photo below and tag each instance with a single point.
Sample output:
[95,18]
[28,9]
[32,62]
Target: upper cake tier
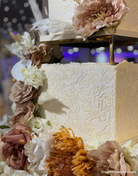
[97,101]
[63,10]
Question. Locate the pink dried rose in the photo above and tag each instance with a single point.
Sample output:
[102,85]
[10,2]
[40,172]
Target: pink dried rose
[13,149]
[111,158]
[21,93]
[92,15]
[22,114]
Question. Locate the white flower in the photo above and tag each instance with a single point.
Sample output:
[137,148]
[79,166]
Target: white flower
[20,48]
[33,76]
[134,150]
[8,171]
[13,107]
[2,165]
[26,41]
[16,70]
[93,144]
[15,48]
[4,120]
[4,131]
[35,150]
[38,150]
[38,125]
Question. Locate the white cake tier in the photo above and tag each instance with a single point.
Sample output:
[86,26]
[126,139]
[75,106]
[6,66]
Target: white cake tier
[61,9]
[95,100]
[64,10]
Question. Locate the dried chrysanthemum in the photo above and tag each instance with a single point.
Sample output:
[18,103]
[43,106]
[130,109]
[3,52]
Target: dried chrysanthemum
[67,142]
[82,166]
[65,148]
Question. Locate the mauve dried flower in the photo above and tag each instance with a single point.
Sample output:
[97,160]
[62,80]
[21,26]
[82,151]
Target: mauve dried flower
[92,15]
[44,54]
[21,93]
[110,157]
[12,151]
[22,114]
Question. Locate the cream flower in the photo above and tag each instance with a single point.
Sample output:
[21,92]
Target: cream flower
[33,76]
[2,165]
[15,49]
[20,48]
[16,70]
[26,41]
[35,151]
[134,150]
[92,144]
[8,171]
[4,120]
[38,125]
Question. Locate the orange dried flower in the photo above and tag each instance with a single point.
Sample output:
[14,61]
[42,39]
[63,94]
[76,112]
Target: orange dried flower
[82,166]
[67,142]
[68,155]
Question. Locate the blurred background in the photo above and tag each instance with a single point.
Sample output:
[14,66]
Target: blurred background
[15,16]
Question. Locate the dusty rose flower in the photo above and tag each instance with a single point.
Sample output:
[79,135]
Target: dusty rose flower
[22,114]
[92,15]
[38,55]
[13,149]
[109,157]
[117,163]
[21,93]
[44,54]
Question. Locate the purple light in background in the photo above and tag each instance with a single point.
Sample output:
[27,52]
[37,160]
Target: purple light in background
[77,56]
[71,57]
[15,32]
[120,57]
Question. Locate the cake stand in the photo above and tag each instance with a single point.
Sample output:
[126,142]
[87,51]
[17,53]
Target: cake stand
[96,41]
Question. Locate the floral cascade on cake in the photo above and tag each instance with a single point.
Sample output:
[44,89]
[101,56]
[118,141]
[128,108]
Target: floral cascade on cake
[32,147]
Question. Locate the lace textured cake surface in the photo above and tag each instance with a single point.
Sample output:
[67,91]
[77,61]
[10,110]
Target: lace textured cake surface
[65,9]
[82,96]
[127,101]
[95,100]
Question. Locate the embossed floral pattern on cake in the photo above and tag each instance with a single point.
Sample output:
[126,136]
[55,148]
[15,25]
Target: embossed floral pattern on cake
[65,9]
[127,101]
[82,97]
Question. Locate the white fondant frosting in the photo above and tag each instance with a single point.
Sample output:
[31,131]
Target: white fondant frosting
[127,101]
[96,100]
[61,9]
[82,97]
